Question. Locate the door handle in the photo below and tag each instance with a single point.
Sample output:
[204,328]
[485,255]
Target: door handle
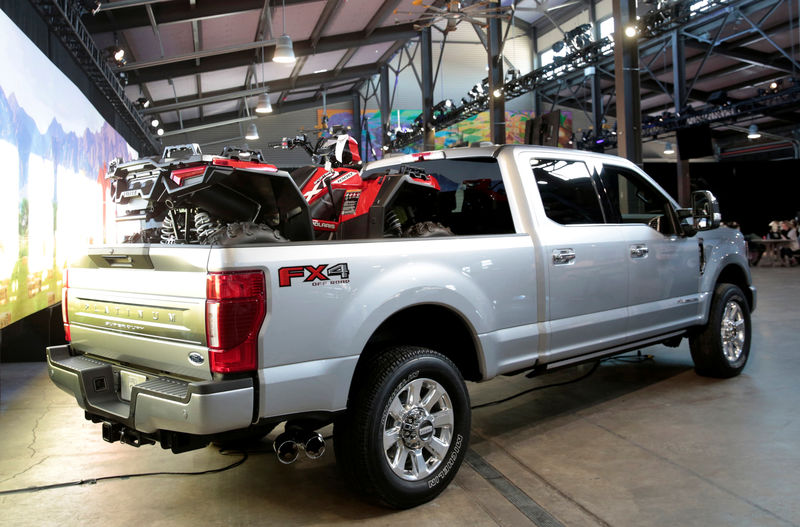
[563,256]
[639,251]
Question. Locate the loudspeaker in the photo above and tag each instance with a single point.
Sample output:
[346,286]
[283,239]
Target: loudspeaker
[543,130]
[694,142]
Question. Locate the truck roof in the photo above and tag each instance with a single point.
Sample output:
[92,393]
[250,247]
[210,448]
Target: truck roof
[490,151]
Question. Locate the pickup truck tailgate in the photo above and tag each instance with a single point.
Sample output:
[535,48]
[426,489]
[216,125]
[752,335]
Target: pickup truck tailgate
[142,306]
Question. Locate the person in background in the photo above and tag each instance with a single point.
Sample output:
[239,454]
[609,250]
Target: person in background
[774,230]
[789,232]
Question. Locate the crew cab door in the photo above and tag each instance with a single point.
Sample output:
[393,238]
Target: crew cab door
[663,266]
[585,260]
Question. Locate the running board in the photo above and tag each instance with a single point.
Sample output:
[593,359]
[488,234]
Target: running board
[572,361]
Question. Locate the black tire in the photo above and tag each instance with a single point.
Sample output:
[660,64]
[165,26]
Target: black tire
[245,233]
[427,229]
[358,435]
[721,348]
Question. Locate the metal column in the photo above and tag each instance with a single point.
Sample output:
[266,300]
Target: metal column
[385,107]
[626,75]
[597,94]
[537,97]
[426,55]
[356,131]
[679,80]
[497,105]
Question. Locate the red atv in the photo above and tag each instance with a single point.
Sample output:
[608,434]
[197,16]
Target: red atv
[345,204]
[236,198]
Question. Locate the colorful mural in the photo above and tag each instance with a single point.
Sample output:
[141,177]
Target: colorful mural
[472,130]
[53,146]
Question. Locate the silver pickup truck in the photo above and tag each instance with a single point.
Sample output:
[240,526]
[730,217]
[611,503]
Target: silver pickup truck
[550,258]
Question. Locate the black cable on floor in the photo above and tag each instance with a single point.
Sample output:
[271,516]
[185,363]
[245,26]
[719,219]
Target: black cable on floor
[620,358]
[92,481]
[535,388]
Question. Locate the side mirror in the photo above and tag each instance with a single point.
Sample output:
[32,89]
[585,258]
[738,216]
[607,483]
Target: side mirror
[705,211]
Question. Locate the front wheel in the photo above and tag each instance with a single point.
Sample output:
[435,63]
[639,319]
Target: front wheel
[721,348]
[406,429]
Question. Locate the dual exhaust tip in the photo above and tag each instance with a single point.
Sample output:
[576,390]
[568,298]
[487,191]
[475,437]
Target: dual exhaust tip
[287,445]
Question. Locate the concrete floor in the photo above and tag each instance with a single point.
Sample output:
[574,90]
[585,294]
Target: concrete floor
[637,444]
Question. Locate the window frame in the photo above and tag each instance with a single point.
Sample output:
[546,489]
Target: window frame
[615,215]
[593,179]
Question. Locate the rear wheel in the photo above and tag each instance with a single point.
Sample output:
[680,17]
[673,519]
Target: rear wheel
[406,429]
[722,347]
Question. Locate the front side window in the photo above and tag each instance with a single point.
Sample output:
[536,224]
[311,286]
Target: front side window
[568,193]
[634,200]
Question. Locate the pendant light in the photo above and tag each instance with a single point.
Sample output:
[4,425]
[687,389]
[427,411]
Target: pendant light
[668,148]
[252,132]
[752,132]
[264,105]
[284,52]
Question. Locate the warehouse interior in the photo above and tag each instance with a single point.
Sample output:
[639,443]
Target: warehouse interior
[701,94]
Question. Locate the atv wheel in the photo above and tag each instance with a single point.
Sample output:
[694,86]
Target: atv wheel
[245,233]
[427,229]
[406,428]
[721,348]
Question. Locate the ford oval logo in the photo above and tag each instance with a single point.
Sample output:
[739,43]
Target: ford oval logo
[196,359]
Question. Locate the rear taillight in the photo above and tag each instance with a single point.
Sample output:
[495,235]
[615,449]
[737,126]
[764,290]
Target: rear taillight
[182,175]
[252,165]
[64,307]
[235,309]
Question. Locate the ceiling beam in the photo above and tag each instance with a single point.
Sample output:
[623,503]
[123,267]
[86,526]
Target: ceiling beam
[749,56]
[235,117]
[171,12]
[185,64]
[740,43]
[331,8]
[387,8]
[314,79]
[383,12]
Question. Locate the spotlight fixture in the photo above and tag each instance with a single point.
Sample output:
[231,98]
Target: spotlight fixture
[668,148]
[119,55]
[773,85]
[752,132]
[264,105]
[631,31]
[252,132]
[160,131]
[143,102]
[154,123]
[497,93]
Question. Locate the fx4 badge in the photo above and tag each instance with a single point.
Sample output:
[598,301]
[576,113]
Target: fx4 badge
[316,274]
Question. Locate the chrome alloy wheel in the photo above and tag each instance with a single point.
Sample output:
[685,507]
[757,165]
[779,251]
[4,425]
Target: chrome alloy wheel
[418,429]
[732,331]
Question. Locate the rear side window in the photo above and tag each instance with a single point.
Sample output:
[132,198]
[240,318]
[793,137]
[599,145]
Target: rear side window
[472,199]
[568,192]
